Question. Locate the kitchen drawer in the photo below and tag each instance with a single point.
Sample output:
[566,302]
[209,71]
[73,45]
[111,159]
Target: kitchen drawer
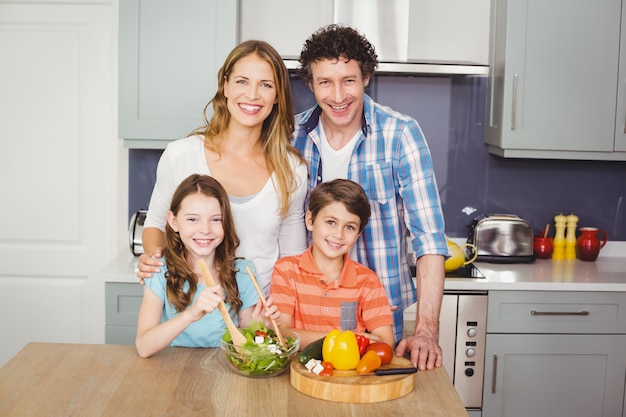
[120,335]
[556,312]
[122,303]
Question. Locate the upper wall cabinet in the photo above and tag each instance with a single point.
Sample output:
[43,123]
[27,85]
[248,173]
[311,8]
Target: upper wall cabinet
[403,31]
[170,53]
[455,31]
[553,84]
[620,119]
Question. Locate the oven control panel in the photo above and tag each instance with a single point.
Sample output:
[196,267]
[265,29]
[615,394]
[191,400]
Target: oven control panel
[462,337]
[471,336]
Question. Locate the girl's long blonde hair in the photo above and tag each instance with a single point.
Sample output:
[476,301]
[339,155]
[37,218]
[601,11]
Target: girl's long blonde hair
[277,130]
[179,269]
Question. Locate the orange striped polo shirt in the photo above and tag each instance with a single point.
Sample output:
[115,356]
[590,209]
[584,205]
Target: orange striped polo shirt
[356,301]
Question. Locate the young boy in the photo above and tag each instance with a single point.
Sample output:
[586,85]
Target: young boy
[323,289]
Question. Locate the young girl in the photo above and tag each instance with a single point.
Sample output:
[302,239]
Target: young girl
[178,307]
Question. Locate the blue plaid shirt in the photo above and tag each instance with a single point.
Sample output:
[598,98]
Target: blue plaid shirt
[392,162]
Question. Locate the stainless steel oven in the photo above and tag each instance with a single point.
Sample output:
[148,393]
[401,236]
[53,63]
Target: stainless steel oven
[462,337]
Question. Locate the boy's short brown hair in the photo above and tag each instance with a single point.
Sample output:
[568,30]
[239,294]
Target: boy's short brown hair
[343,191]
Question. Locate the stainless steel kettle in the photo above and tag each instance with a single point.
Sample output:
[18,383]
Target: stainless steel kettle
[135,229]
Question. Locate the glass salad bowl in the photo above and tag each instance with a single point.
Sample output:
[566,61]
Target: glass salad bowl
[262,355]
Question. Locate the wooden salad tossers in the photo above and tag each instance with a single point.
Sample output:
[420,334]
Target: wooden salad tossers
[264,301]
[238,338]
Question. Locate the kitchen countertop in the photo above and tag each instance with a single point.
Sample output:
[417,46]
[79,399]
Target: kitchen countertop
[46,379]
[607,273]
[121,269]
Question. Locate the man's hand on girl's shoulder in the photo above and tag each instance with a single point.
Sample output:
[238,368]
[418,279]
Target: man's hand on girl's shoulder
[149,264]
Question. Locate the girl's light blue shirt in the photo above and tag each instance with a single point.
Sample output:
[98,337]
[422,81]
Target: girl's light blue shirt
[207,331]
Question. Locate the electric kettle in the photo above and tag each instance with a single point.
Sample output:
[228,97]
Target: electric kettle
[458,258]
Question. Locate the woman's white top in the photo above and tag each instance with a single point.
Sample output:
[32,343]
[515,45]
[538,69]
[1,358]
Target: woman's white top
[264,235]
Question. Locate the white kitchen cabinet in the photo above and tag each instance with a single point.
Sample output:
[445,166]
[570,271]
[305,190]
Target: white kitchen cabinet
[552,89]
[169,56]
[555,354]
[620,119]
[554,375]
[454,31]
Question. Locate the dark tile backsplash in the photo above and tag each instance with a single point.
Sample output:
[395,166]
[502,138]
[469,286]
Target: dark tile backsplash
[451,112]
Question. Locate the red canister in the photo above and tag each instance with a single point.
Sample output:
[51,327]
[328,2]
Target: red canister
[588,245]
[542,247]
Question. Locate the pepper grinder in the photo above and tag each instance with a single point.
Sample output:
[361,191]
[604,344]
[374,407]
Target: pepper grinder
[570,237]
[558,253]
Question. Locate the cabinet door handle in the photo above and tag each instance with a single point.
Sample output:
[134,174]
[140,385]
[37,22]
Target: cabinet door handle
[514,102]
[624,122]
[559,313]
[495,373]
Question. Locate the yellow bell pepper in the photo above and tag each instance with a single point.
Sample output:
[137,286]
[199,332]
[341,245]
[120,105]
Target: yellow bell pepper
[341,349]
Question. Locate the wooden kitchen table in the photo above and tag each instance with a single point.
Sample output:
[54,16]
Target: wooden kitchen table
[52,379]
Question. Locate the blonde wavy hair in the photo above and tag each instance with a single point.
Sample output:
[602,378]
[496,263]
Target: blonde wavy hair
[277,130]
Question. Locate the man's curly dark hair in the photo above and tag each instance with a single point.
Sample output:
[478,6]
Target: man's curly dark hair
[334,42]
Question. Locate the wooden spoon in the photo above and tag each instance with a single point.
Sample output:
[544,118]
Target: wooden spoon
[264,301]
[238,338]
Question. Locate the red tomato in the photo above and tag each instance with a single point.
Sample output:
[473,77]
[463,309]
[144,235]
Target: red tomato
[328,369]
[383,350]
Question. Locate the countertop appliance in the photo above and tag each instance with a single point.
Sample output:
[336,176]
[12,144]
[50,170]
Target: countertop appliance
[502,238]
[466,271]
[135,229]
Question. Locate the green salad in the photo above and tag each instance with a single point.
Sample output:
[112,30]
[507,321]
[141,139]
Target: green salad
[262,354]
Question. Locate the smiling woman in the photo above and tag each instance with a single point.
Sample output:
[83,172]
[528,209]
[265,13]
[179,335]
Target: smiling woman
[245,146]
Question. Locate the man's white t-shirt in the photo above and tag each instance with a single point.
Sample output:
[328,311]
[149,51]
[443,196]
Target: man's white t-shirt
[335,162]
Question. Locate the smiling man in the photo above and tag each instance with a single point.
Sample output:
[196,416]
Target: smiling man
[348,135]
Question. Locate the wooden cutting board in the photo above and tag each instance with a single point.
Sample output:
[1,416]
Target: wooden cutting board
[349,387]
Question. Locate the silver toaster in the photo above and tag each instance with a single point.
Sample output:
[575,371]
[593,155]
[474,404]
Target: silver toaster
[502,238]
